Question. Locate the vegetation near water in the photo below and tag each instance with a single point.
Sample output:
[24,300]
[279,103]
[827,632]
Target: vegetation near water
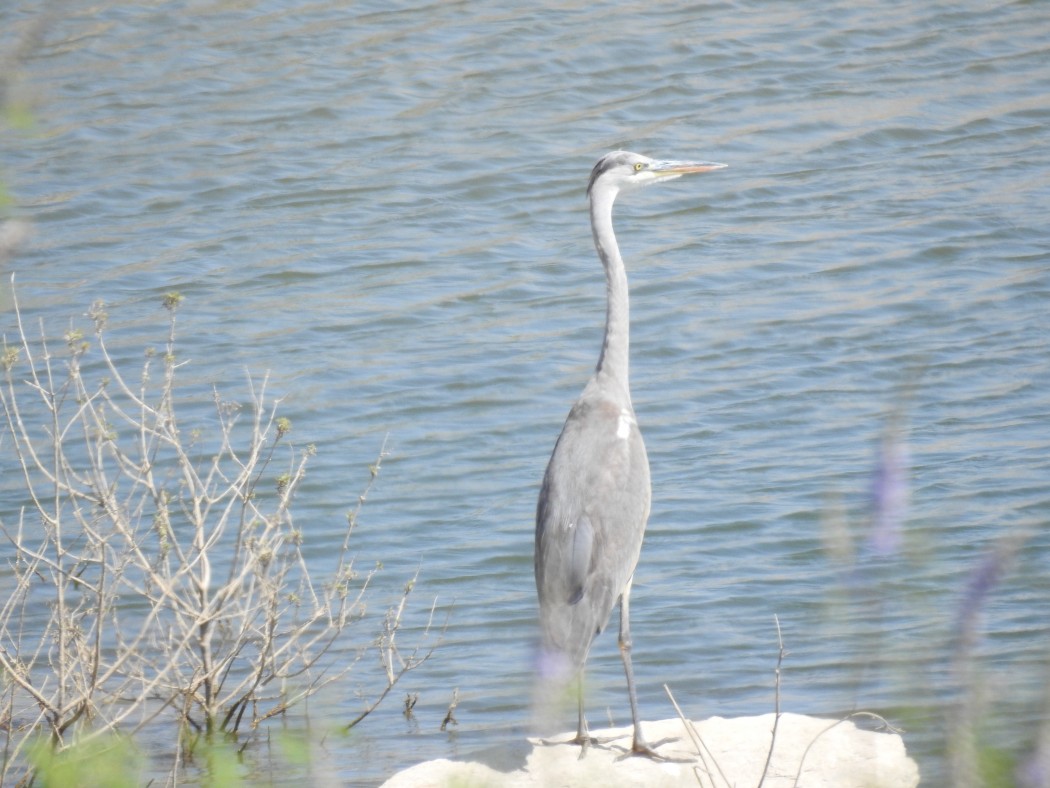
[170,560]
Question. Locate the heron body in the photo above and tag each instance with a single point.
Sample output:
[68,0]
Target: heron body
[594,501]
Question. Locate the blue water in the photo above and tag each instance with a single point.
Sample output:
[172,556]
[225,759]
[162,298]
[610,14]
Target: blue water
[383,207]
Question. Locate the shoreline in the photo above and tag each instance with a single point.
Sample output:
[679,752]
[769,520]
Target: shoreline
[807,751]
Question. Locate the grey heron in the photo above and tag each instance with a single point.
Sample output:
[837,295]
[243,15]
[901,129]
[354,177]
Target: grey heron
[594,501]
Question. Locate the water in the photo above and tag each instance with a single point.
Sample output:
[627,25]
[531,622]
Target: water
[384,208]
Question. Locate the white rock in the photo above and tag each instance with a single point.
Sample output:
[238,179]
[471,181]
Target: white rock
[809,752]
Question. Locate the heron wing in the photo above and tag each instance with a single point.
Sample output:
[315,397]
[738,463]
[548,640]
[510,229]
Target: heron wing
[580,557]
[590,520]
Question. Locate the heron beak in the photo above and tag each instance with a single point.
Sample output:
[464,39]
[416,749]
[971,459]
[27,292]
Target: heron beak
[676,168]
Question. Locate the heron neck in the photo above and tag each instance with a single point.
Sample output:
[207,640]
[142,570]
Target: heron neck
[614,361]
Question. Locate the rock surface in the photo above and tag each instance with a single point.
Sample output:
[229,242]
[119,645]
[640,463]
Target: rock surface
[808,752]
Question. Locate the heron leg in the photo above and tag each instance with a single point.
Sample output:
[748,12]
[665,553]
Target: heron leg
[583,736]
[638,746]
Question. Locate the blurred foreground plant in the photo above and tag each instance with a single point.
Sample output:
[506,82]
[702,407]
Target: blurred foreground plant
[874,572]
[156,573]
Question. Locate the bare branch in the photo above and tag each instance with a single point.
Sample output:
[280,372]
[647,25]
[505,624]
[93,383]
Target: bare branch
[776,704]
[172,569]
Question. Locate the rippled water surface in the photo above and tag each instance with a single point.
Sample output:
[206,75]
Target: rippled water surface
[383,206]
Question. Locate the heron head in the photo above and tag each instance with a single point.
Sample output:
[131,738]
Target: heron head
[625,170]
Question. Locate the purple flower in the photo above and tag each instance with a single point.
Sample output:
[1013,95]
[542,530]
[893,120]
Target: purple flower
[982,581]
[889,496]
[1034,772]
[985,577]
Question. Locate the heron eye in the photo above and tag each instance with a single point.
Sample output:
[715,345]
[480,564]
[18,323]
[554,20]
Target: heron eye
[639,167]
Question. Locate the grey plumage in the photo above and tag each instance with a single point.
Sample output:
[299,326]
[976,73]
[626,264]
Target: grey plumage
[594,501]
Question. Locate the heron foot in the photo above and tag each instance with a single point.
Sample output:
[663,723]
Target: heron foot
[583,741]
[640,748]
[586,740]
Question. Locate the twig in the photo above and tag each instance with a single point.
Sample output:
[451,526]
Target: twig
[411,699]
[394,664]
[450,715]
[835,724]
[698,742]
[776,718]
